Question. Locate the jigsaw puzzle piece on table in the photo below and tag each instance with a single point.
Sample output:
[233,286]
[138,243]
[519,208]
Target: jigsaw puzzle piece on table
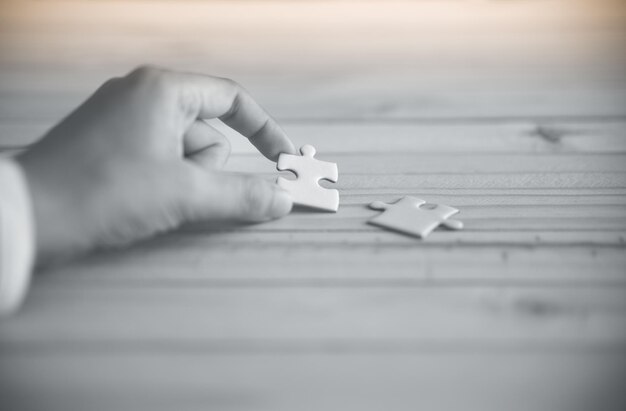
[409,215]
[305,190]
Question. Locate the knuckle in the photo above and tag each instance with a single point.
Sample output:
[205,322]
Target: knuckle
[232,109]
[145,71]
[230,83]
[233,92]
[150,76]
[237,89]
[111,82]
[108,85]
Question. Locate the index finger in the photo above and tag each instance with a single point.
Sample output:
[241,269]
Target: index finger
[210,97]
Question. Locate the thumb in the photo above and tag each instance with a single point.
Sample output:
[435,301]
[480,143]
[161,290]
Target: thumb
[228,196]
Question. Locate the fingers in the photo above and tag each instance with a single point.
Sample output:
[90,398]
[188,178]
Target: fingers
[227,100]
[205,97]
[206,146]
[247,117]
[228,196]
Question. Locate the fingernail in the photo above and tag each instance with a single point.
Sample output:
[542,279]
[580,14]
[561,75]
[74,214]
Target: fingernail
[281,203]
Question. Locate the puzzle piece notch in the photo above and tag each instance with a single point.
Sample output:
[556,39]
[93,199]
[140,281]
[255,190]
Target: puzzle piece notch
[305,190]
[308,150]
[409,215]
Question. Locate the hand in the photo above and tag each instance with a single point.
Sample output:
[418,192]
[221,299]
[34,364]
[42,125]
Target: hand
[137,159]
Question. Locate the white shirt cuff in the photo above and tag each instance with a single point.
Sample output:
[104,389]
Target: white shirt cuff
[17,237]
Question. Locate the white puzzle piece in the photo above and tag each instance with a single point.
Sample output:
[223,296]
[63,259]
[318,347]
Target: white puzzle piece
[409,215]
[305,190]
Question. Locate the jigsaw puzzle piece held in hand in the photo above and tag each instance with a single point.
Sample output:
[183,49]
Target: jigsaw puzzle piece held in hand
[409,215]
[305,190]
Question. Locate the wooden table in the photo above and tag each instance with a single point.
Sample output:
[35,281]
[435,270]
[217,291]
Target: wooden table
[512,111]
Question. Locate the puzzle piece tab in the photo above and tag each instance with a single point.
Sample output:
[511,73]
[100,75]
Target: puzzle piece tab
[409,215]
[306,190]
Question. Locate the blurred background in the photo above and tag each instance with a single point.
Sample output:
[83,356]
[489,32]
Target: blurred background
[325,60]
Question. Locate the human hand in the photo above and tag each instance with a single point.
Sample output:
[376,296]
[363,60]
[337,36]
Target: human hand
[136,159]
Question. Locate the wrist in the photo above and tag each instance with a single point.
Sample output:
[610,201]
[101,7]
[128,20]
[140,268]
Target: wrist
[52,214]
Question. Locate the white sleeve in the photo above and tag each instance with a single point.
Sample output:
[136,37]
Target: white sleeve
[17,237]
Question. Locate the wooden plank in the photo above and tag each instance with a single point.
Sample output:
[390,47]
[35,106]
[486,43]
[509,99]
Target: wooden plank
[410,137]
[449,136]
[431,163]
[454,180]
[165,378]
[458,315]
[198,262]
[212,237]
[414,183]
[476,218]
[495,198]
[494,192]
[470,212]
[485,224]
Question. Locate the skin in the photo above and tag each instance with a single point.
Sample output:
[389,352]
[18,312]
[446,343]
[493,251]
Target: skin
[137,159]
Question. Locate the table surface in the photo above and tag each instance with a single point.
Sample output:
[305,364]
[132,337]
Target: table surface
[512,111]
